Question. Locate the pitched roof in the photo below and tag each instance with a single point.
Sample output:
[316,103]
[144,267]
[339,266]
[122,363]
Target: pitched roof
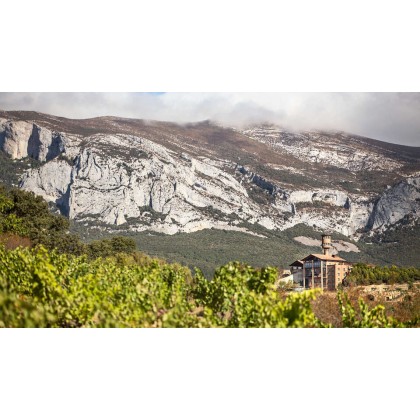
[325,257]
[297,263]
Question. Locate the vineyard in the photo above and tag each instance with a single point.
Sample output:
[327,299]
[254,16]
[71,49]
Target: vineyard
[41,288]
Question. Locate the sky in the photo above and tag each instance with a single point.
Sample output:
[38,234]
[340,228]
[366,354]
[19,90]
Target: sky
[391,117]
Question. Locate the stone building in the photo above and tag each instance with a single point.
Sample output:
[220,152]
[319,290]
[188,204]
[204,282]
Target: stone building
[323,271]
[296,269]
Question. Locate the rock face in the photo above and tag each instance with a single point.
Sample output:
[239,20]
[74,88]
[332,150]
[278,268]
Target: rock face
[51,181]
[324,148]
[396,203]
[140,182]
[169,183]
[14,138]
[151,187]
[20,139]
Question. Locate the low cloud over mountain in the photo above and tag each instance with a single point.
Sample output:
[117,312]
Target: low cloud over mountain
[391,117]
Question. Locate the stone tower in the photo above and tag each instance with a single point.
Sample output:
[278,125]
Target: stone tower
[326,244]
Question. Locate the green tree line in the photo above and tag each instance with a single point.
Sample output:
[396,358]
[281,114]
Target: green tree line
[364,274]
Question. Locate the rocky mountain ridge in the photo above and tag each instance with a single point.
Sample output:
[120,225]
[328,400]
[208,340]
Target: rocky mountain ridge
[169,178]
[326,148]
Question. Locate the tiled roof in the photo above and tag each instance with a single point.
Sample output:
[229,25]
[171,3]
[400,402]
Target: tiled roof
[325,257]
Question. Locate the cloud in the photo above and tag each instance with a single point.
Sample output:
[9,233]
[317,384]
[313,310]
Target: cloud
[392,117]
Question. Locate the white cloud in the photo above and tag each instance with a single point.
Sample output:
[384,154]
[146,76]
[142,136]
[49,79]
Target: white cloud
[392,117]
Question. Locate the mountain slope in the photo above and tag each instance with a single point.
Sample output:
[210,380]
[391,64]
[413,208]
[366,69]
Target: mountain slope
[118,174]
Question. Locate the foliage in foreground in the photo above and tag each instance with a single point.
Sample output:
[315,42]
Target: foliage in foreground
[39,288]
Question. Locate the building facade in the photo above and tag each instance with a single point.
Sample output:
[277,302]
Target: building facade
[296,270]
[323,271]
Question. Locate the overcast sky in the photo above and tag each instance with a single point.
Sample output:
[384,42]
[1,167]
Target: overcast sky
[393,117]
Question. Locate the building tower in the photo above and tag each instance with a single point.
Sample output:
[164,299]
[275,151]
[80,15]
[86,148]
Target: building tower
[326,244]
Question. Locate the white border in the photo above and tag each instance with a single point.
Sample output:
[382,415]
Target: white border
[218,46]
[209,46]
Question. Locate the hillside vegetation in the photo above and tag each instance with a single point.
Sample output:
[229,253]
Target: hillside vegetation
[209,249]
[25,219]
[363,274]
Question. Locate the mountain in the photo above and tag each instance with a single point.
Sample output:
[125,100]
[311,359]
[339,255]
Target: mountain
[113,174]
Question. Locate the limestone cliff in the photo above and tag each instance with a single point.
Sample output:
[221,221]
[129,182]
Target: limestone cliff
[163,179]
[19,139]
[395,204]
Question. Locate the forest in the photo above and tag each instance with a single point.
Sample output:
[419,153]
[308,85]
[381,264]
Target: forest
[365,274]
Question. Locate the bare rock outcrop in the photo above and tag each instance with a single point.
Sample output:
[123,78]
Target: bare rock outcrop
[20,139]
[395,204]
[119,179]
[14,137]
[140,182]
